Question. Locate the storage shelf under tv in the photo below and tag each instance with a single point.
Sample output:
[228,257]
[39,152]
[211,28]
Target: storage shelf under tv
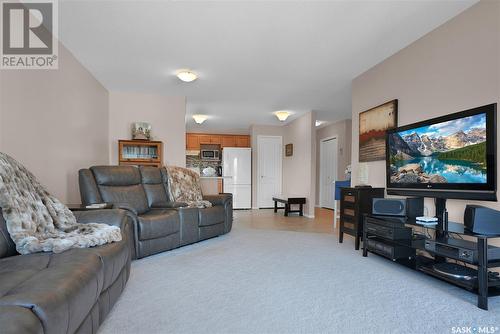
[140,153]
[425,258]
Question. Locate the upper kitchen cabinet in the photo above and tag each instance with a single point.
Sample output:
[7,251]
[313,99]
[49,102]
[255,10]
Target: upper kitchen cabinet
[204,139]
[228,141]
[216,139]
[242,141]
[194,140]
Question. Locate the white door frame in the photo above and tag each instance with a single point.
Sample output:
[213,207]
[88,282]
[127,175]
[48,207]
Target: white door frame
[259,137]
[321,171]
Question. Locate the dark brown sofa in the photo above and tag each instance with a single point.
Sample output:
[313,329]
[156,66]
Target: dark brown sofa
[69,292]
[159,223]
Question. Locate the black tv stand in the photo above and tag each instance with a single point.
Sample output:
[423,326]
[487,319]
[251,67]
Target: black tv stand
[484,283]
[442,215]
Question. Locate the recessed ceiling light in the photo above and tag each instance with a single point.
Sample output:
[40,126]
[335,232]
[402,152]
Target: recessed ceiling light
[186,75]
[282,115]
[199,119]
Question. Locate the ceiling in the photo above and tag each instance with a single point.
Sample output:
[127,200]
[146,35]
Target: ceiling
[252,57]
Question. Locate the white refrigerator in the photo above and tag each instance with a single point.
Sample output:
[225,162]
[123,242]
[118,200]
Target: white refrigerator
[237,173]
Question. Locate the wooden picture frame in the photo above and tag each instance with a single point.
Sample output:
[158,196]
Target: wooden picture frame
[373,124]
[288,150]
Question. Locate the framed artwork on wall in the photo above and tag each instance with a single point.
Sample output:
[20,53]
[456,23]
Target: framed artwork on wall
[373,124]
[288,150]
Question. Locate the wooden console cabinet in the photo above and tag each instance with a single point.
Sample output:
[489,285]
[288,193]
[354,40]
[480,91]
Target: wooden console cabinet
[354,203]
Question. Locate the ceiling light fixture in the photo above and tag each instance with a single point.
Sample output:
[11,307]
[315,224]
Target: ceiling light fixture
[282,115]
[318,123]
[186,75]
[199,119]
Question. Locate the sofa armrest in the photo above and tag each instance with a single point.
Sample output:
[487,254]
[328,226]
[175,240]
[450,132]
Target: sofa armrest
[123,219]
[226,201]
[109,217]
[125,206]
[220,199]
[170,205]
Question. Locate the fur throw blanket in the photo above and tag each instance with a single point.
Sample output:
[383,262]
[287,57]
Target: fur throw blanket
[184,186]
[37,221]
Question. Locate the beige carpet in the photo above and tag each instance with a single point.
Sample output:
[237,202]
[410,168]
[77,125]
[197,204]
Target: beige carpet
[263,281]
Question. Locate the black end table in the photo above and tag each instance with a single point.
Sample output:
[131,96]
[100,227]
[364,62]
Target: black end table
[81,207]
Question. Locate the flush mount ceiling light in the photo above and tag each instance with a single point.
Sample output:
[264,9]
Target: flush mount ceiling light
[186,75]
[282,115]
[200,118]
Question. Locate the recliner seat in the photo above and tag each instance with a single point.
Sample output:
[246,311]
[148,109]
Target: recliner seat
[160,224]
[69,292]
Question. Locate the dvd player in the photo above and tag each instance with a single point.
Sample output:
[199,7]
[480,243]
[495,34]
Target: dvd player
[458,249]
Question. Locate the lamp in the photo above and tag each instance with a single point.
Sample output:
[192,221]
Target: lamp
[186,75]
[199,119]
[282,115]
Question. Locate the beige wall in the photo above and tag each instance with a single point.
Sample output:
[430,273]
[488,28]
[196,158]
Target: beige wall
[166,115]
[255,131]
[55,122]
[453,68]
[343,132]
[299,170]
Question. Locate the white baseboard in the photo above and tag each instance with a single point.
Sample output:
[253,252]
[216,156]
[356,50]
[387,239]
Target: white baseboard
[309,216]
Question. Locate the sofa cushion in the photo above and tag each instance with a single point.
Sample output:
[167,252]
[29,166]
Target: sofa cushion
[133,196]
[158,223]
[150,175]
[116,175]
[156,195]
[211,216]
[17,319]
[60,289]
[154,186]
[114,256]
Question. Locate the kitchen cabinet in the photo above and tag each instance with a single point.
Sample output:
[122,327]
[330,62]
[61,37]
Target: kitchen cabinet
[220,187]
[216,139]
[205,139]
[194,140]
[228,141]
[243,141]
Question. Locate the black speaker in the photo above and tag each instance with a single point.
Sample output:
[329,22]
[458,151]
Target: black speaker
[411,207]
[482,220]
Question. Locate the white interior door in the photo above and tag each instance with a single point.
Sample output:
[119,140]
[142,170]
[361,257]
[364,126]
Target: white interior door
[328,172]
[269,170]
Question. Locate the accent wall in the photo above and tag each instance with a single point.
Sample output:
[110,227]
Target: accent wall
[453,68]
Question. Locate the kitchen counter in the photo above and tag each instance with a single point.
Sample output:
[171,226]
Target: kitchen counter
[211,185]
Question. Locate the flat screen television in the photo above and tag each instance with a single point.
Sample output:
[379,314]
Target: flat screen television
[453,156]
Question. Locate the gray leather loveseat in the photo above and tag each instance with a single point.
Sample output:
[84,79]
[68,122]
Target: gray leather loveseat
[69,292]
[159,223]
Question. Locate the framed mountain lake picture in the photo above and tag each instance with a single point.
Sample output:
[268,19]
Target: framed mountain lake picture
[373,124]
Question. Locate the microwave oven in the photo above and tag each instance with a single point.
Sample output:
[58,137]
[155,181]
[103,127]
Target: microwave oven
[210,155]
